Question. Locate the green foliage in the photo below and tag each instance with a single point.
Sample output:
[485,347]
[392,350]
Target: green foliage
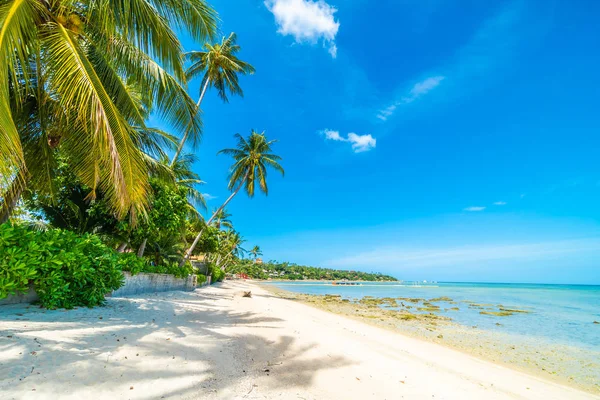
[16,268]
[68,206]
[288,271]
[209,240]
[252,157]
[67,269]
[201,279]
[220,66]
[84,76]
[165,225]
[172,269]
[133,264]
[216,274]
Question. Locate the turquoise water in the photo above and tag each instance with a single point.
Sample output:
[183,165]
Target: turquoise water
[562,314]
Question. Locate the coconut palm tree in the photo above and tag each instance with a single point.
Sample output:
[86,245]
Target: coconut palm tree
[186,178]
[220,68]
[82,76]
[252,156]
[255,252]
[232,247]
[222,220]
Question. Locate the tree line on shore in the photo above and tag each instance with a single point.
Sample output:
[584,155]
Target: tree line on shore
[290,271]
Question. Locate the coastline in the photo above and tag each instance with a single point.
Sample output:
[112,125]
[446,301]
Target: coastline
[214,343]
[561,364]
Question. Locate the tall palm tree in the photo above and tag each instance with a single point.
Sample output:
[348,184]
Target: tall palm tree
[255,252]
[70,75]
[252,156]
[222,220]
[232,247]
[220,68]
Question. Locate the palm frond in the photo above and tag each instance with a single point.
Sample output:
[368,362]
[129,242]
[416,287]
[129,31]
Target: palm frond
[101,138]
[16,37]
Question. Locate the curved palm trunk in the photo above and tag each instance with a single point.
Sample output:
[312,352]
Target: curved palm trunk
[187,131]
[225,260]
[122,247]
[142,248]
[189,251]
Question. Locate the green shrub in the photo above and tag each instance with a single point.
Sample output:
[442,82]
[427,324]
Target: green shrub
[19,257]
[67,269]
[201,279]
[133,264]
[216,274]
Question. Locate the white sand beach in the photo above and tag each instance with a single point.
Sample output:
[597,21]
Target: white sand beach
[215,344]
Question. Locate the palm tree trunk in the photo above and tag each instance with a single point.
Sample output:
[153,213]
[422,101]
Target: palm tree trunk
[187,131]
[122,247]
[189,251]
[224,260]
[142,248]
[11,198]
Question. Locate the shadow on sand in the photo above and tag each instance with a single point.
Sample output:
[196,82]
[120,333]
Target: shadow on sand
[179,345]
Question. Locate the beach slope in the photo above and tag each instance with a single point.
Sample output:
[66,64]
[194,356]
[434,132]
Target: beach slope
[215,344]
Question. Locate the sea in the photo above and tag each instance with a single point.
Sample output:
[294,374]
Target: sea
[556,314]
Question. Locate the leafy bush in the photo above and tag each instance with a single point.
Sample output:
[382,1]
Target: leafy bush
[216,274]
[67,269]
[201,279]
[133,264]
[16,266]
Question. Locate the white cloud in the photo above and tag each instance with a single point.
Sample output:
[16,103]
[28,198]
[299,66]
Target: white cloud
[474,208]
[425,86]
[500,203]
[418,90]
[208,196]
[333,135]
[306,20]
[360,143]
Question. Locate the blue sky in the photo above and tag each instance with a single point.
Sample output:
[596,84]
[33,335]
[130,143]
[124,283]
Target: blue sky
[423,138]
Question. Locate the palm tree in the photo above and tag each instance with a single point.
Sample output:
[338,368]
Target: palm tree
[252,156]
[255,252]
[232,247]
[187,179]
[83,76]
[220,67]
[222,220]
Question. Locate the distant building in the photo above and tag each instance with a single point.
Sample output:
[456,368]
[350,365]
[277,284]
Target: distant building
[258,261]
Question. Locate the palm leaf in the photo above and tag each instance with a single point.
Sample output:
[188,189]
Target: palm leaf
[101,139]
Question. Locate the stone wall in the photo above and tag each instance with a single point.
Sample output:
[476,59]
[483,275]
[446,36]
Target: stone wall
[152,283]
[28,297]
[140,283]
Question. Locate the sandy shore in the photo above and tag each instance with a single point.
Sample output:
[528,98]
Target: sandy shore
[215,344]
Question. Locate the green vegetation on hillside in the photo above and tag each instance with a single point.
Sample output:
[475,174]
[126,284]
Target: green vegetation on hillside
[288,271]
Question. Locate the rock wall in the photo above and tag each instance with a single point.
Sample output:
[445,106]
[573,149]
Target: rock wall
[28,297]
[140,283]
[153,283]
